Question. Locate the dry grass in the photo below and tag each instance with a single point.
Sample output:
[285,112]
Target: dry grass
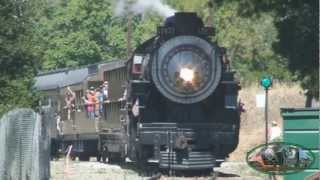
[252,130]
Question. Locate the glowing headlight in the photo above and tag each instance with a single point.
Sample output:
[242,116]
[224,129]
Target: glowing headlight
[187,74]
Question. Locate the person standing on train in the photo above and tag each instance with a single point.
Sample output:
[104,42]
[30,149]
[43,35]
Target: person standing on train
[58,123]
[99,102]
[94,102]
[105,91]
[123,99]
[86,99]
[124,95]
[69,100]
[90,103]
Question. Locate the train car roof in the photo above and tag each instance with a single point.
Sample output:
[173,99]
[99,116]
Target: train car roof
[70,76]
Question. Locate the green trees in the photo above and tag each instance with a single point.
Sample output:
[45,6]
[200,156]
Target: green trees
[298,34]
[18,57]
[80,32]
[249,40]
[297,23]
[74,33]
[275,37]
[279,38]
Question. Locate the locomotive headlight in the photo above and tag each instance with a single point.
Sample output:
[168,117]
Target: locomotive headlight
[186,74]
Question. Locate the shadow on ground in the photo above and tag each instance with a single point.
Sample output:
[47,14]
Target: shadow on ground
[153,172]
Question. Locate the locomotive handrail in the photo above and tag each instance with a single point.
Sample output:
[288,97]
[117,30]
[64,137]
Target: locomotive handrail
[104,102]
[229,82]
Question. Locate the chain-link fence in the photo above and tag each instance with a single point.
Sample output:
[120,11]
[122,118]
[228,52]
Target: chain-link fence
[24,146]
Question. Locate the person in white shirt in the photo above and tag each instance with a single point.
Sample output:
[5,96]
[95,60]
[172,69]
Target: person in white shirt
[69,99]
[275,131]
[105,90]
[105,93]
[58,123]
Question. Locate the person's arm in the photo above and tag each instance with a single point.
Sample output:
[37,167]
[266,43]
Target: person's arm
[66,101]
[106,95]
[85,100]
[96,100]
[73,95]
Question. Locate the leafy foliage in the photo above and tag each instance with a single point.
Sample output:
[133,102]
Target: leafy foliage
[18,61]
[248,40]
[79,32]
[271,36]
[298,30]
[73,33]
[298,33]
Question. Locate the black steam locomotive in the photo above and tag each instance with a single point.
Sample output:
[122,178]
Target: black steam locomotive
[179,108]
[181,98]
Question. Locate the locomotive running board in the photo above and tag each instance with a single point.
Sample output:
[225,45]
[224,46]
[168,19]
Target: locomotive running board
[158,133]
[212,126]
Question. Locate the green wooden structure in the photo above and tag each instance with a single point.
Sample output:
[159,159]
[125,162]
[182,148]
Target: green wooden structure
[301,126]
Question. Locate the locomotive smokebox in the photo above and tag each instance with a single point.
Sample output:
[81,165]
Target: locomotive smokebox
[187,66]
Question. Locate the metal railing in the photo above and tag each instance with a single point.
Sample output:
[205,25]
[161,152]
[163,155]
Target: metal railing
[24,146]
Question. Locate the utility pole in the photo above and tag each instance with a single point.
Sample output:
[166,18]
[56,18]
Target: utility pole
[129,35]
[129,29]
[266,83]
[266,115]
[210,18]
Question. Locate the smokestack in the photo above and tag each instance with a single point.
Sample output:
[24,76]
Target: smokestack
[210,18]
[129,8]
[129,35]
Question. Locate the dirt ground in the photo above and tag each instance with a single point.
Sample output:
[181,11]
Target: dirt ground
[252,127]
[76,170]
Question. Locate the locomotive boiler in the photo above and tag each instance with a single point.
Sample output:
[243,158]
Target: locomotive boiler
[181,98]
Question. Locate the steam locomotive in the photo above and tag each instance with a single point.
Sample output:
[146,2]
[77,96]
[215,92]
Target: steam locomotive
[179,105]
[181,98]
